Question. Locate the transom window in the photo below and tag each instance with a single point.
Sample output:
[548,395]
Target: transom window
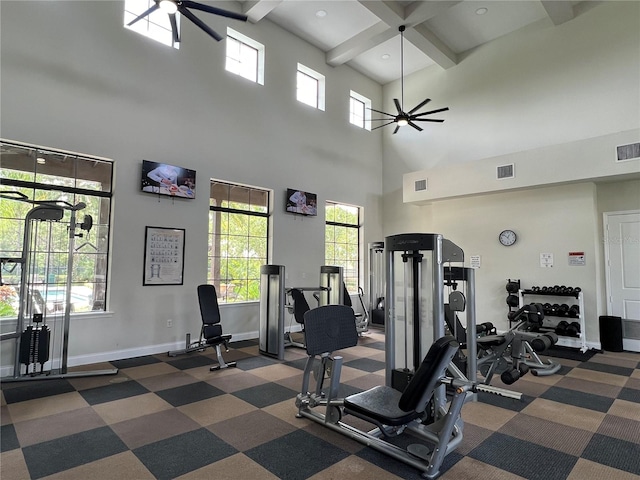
[245,57]
[359,110]
[342,241]
[31,176]
[310,87]
[155,25]
[238,240]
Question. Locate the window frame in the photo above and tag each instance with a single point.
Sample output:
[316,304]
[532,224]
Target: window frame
[40,185]
[366,103]
[348,279]
[225,295]
[248,42]
[319,103]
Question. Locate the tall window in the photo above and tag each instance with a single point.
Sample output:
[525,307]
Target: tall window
[238,240]
[245,57]
[310,87]
[359,110]
[342,242]
[155,25]
[29,175]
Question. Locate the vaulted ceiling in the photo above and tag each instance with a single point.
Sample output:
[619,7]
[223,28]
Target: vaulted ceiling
[364,33]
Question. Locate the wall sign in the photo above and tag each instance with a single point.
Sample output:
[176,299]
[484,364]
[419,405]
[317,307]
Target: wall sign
[577,259]
[163,256]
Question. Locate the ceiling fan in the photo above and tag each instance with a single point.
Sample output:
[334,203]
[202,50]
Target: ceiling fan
[183,6]
[403,118]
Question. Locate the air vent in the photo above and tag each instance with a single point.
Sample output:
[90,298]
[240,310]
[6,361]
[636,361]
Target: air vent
[631,329]
[505,171]
[421,185]
[628,152]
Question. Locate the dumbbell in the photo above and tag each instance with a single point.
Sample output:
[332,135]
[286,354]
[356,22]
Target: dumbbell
[573,329]
[574,311]
[569,290]
[544,290]
[546,308]
[509,377]
[563,310]
[543,342]
[535,289]
[561,328]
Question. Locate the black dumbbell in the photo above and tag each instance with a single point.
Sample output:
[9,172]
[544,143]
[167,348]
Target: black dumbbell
[576,325]
[510,376]
[574,311]
[573,330]
[561,328]
[563,310]
[535,289]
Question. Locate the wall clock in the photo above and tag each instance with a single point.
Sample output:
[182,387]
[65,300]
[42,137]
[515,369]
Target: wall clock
[507,237]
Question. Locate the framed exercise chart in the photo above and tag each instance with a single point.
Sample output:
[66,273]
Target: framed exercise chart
[163,256]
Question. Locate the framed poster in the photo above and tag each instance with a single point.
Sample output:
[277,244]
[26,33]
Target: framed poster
[163,256]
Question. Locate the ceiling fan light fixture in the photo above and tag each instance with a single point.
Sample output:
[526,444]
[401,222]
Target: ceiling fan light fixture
[168,6]
[403,122]
[321,13]
[482,11]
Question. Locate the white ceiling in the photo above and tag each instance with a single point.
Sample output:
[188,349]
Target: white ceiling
[359,32]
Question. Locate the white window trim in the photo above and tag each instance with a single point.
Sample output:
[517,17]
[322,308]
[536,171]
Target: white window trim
[139,27]
[321,83]
[252,43]
[367,109]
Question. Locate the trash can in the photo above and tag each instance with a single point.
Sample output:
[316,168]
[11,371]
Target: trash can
[611,333]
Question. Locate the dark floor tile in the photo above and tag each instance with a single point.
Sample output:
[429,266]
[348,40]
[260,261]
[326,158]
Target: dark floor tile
[8,438]
[71,451]
[191,361]
[578,399]
[602,367]
[183,453]
[366,364]
[569,353]
[614,452]
[630,395]
[190,393]
[374,345]
[28,390]
[300,363]
[256,362]
[266,394]
[244,343]
[506,402]
[523,458]
[115,391]
[296,456]
[135,361]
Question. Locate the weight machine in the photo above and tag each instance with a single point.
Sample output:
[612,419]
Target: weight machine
[376,283]
[36,341]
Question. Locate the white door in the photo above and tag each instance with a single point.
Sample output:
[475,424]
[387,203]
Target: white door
[622,252]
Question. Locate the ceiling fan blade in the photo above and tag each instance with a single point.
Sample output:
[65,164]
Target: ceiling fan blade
[383,125]
[415,126]
[199,22]
[383,113]
[426,120]
[396,130]
[174,27]
[148,12]
[214,10]
[419,106]
[398,106]
[430,112]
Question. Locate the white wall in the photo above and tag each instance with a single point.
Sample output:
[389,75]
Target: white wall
[73,78]
[546,98]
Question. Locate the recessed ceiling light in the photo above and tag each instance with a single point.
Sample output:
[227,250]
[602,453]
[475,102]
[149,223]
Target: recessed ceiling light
[482,11]
[386,56]
[321,13]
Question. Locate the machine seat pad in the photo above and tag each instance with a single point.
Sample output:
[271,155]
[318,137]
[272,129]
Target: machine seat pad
[379,404]
[217,340]
[490,341]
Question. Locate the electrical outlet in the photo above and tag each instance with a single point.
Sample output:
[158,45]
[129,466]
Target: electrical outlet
[169,323]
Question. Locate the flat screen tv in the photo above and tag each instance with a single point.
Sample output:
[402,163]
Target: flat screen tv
[301,203]
[165,179]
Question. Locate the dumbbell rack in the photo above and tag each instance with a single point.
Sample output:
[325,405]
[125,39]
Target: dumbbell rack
[575,342]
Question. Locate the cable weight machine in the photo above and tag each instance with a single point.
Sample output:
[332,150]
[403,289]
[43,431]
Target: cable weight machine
[35,342]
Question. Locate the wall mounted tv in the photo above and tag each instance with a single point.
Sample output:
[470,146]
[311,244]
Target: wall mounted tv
[165,179]
[302,203]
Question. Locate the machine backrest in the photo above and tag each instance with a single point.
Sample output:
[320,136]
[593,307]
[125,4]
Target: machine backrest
[431,370]
[300,305]
[347,297]
[330,328]
[208,300]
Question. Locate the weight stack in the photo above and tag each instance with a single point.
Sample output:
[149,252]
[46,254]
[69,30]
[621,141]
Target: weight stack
[34,346]
[611,333]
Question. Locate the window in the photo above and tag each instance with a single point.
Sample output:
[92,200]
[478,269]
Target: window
[238,240]
[32,174]
[245,57]
[342,242]
[310,87]
[359,110]
[155,25]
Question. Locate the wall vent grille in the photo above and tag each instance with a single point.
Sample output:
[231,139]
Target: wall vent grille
[631,329]
[421,185]
[627,152]
[505,171]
